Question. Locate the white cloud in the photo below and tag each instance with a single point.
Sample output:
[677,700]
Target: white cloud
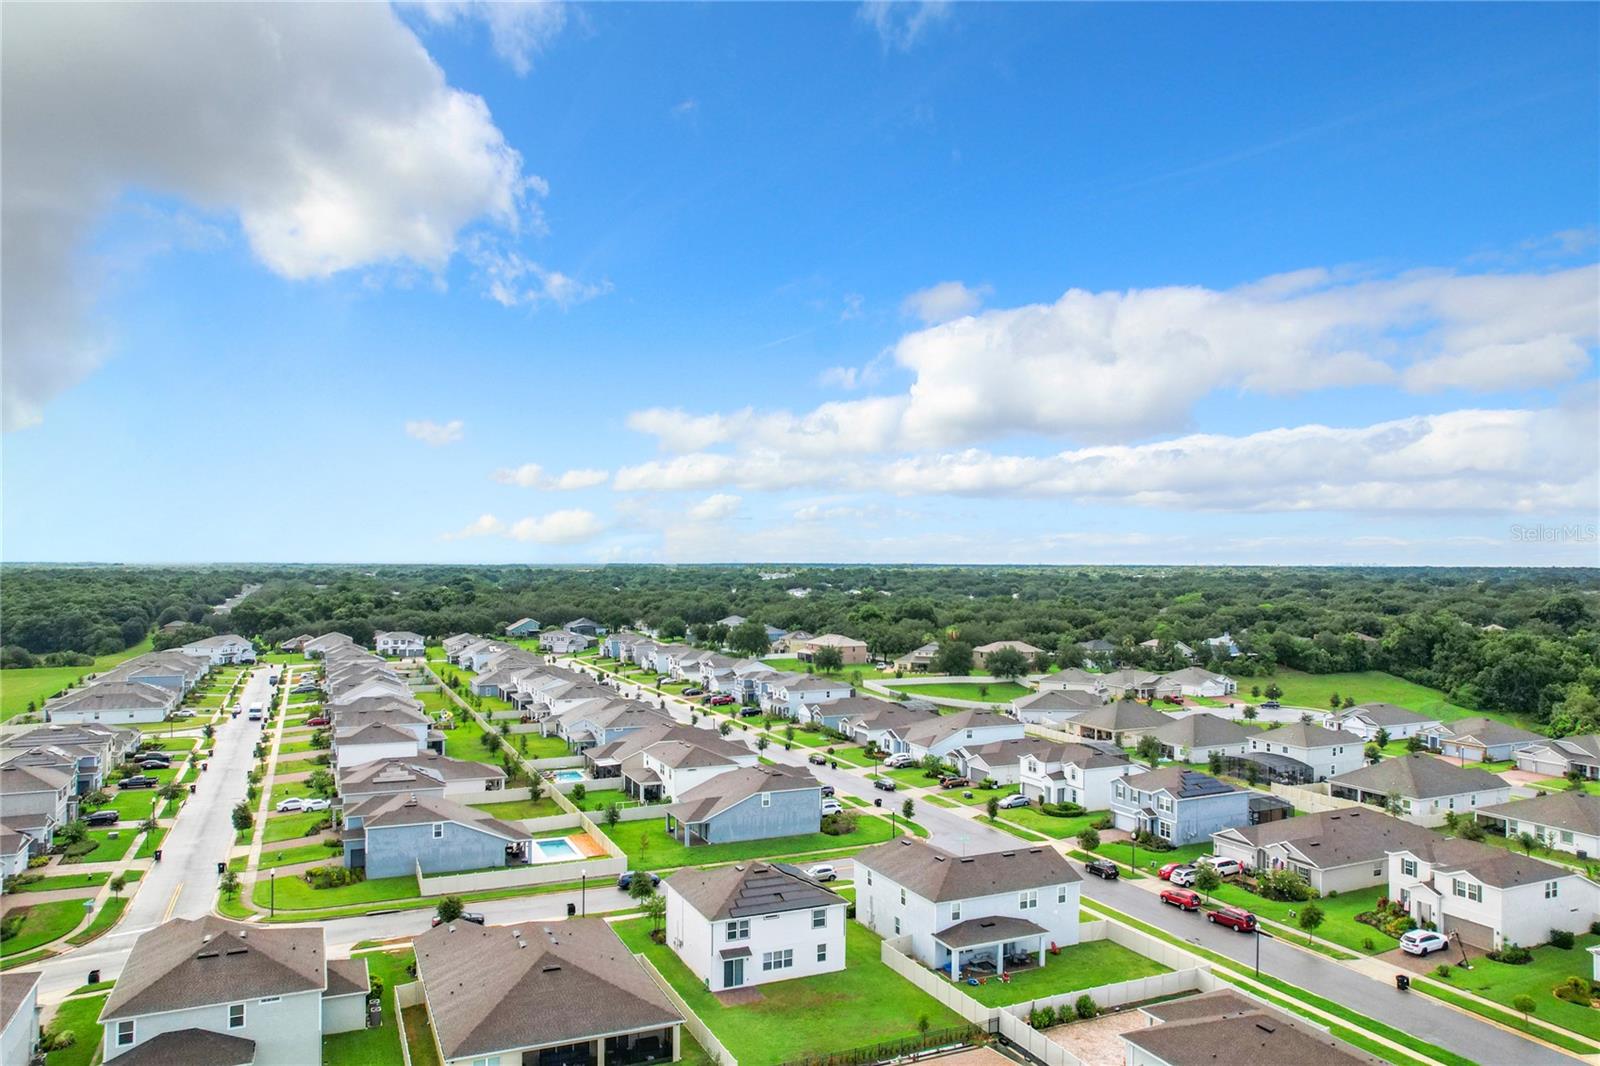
[944,301]
[533,476]
[715,508]
[326,130]
[901,23]
[518,29]
[852,306]
[685,108]
[435,434]
[513,279]
[557,527]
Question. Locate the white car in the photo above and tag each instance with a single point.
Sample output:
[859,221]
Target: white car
[315,805]
[1423,942]
[823,872]
[1225,867]
[831,806]
[293,803]
[1183,876]
[1016,799]
[898,760]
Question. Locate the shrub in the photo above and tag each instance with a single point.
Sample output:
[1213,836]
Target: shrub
[1577,990]
[1367,944]
[1089,839]
[1594,928]
[1086,1006]
[1562,938]
[333,877]
[839,825]
[1042,1017]
[1512,955]
[1151,842]
[1060,810]
[1284,885]
[1442,971]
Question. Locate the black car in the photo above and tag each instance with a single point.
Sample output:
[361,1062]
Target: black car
[694,692]
[750,712]
[1104,868]
[625,879]
[886,783]
[138,781]
[816,758]
[107,817]
[155,764]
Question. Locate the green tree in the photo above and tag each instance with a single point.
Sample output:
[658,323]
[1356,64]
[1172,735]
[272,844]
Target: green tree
[578,793]
[1372,752]
[449,909]
[1415,743]
[1527,842]
[641,887]
[1333,701]
[1214,763]
[992,807]
[762,742]
[788,735]
[117,884]
[1393,804]
[908,809]
[1007,664]
[1250,712]
[1207,880]
[725,728]
[1524,1005]
[613,815]
[1149,750]
[1311,917]
[655,909]
[749,639]
[954,658]
[229,884]
[1273,691]
[1381,738]
[1089,839]
[243,819]
[827,660]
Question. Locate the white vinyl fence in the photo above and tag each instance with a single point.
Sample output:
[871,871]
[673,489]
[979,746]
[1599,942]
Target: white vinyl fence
[691,1021]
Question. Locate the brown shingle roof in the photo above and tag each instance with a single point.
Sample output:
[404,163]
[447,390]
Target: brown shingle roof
[749,889]
[1336,838]
[938,875]
[346,977]
[198,962]
[190,1047]
[1576,811]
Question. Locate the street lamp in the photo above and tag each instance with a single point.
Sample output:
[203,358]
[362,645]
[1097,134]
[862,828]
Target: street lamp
[583,891]
[272,894]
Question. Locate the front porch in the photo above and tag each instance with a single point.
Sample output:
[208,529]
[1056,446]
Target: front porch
[981,948]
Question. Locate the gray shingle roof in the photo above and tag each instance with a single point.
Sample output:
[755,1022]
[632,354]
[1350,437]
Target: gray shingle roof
[1489,731]
[346,977]
[1307,735]
[197,962]
[1202,731]
[936,874]
[1224,1031]
[1124,714]
[13,990]
[1336,838]
[381,812]
[1576,811]
[191,1047]
[1383,715]
[750,889]
[735,786]
[975,931]
[1418,776]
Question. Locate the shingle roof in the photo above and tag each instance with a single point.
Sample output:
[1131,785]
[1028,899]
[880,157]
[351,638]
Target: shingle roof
[1336,838]
[1250,1034]
[750,889]
[932,729]
[1500,867]
[1124,714]
[975,931]
[1306,735]
[13,991]
[497,988]
[938,875]
[426,769]
[191,1047]
[1418,776]
[1577,811]
[735,786]
[197,962]
[17,779]
[1488,731]
[1182,782]
[346,977]
[382,812]
[1384,715]
[1058,699]
[1201,731]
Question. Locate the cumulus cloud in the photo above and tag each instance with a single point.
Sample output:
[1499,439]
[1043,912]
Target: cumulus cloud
[325,130]
[558,527]
[533,476]
[715,508]
[518,29]
[900,24]
[944,301]
[1121,366]
[435,433]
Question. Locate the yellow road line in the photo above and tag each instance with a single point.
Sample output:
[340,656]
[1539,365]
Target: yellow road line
[173,905]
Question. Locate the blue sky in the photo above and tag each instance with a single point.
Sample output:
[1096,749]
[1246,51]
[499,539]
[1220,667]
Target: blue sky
[922,283]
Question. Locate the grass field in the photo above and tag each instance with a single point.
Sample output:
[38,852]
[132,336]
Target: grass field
[1367,686]
[56,884]
[104,918]
[380,1046]
[868,673]
[106,848]
[865,1003]
[1048,824]
[514,809]
[1094,962]
[289,826]
[1123,852]
[42,923]
[993,692]
[1550,967]
[78,1016]
[293,894]
[298,853]
[649,847]
[20,687]
[1340,926]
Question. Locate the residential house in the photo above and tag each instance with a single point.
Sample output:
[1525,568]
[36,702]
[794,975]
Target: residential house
[1098,651]
[1490,896]
[596,723]
[455,644]
[1137,685]
[1055,706]
[833,714]
[87,752]
[1223,645]
[548,993]
[1193,682]
[317,647]
[791,642]
[1559,757]
[586,627]
[918,660]
[1075,773]
[1195,737]
[852,652]
[1154,644]
[222,649]
[1072,679]
[1179,805]
[994,909]
[562,642]
[671,768]
[731,621]
[293,643]
[207,990]
[15,847]
[1561,821]
[941,735]
[523,627]
[980,654]
[112,701]
[1328,752]
[1479,739]
[999,760]
[36,800]
[425,773]
[396,835]
[1123,722]
[752,803]
[1425,789]
[1229,1026]
[753,923]
[1335,851]
[19,1016]
[1366,719]
[399,644]
[792,695]
[169,669]
[886,725]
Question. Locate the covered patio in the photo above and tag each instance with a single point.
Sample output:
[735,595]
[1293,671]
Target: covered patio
[642,783]
[990,946]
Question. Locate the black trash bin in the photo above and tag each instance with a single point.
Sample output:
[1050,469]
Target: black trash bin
[1402,981]
[572,910]
[94,977]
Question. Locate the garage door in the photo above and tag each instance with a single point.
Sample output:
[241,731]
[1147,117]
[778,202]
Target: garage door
[1475,933]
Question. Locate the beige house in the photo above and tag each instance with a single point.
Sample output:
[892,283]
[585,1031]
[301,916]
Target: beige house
[852,652]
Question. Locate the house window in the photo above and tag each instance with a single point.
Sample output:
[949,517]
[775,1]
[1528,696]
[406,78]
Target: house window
[1028,900]
[819,918]
[897,927]
[1566,836]
[490,1060]
[438,830]
[1552,889]
[124,1033]
[739,930]
[1467,889]
[822,953]
[236,1016]
[1408,867]
[766,799]
[1061,893]
[270,999]
[955,912]
[869,877]
[777,960]
[1165,830]
[902,897]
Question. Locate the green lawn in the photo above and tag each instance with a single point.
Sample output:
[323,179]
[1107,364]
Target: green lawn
[282,790]
[289,826]
[1086,965]
[152,841]
[1559,784]
[538,747]
[865,1003]
[104,918]
[854,756]
[463,742]
[649,848]
[980,796]
[600,799]
[288,747]
[42,923]
[293,894]
[381,1046]
[1564,858]
[79,1017]
[53,884]
[514,809]
[1051,826]
[867,673]
[1550,967]
[107,849]
[20,687]
[992,692]
[419,1036]
[299,853]
[1340,926]
[1367,686]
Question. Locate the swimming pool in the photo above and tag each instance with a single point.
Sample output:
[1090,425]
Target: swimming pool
[555,851]
[568,775]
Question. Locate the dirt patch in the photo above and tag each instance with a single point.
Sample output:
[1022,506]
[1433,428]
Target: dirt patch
[740,997]
[1098,1042]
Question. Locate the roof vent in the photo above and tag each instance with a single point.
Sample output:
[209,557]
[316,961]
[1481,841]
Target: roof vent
[238,951]
[938,858]
[550,969]
[1008,854]
[1265,1028]
[206,939]
[967,858]
[207,955]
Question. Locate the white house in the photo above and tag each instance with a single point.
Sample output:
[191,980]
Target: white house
[114,702]
[1195,737]
[1556,758]
[1564,821]
[400,643]
[790,696]
[224,648]
[1075,773]
[1054,706]
[1365,719]
[1194,681]
[680,765]
[753,923]
[562,642]
[941,735]
[19,1016]
[1425,788]
[1328,752]
[953,910]
[1490,896]
[1480,739]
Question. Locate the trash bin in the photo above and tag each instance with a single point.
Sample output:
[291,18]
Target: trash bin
[572,910]
[877,801]
[94,977]
[1402,981]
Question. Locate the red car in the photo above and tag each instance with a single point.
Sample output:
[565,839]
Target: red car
[1165,873]
[721,701]
[319,720]
[1181,898]
[1234,918]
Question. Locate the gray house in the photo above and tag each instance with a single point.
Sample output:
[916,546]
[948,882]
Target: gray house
[1178,805]
[391,836]
[751,803]
[1479,739]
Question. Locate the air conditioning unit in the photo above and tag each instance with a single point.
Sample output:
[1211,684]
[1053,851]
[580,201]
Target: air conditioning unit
[678,943]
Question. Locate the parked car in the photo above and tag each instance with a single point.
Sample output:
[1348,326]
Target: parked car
[1225,867]
[466,916]
[750,712]
[1423,942]
[625,879]
[827,790]
[954,782]
[721,700]
[1182,898]
[899,759]
[831,806]
[1016,799]
[320,719]
[823,872]
[152,762]
[293,803]
[1272,705]
[1165,873]
[1184,875]
[1234,918]
[1103,868]
[694,692]
[105,817]
[816,758]
[137,781]
[887,784]
[315,805]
